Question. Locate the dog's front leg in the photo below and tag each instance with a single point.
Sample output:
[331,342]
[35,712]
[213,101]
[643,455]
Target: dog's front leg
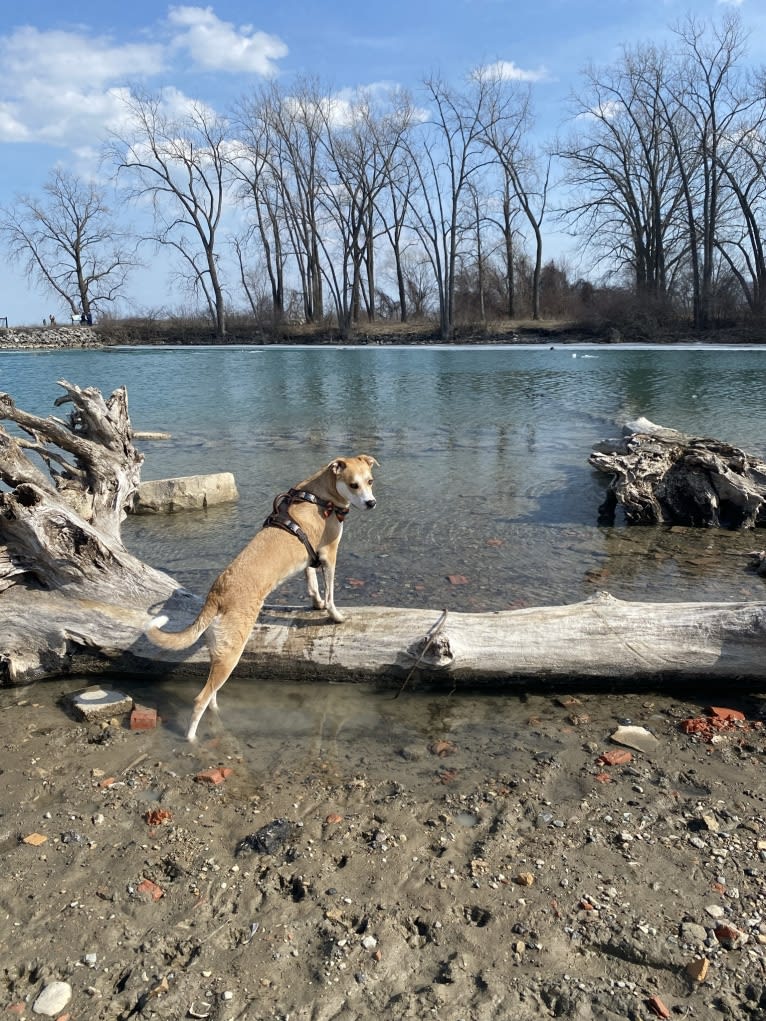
[328,570]
[313,586]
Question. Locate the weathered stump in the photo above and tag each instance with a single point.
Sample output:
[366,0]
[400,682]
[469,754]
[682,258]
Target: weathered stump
[661,476]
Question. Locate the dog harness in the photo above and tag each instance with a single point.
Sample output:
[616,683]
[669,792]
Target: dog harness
[280,517]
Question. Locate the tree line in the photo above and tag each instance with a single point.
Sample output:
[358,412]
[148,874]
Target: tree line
[304,204]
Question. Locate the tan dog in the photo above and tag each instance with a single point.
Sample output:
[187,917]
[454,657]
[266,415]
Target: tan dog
[302,533]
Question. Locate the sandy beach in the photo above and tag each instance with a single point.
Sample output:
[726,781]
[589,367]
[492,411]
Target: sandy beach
[354,855]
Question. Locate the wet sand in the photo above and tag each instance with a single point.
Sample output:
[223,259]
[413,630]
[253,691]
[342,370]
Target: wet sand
[456,856]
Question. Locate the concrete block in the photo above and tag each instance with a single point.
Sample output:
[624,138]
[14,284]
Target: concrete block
[190,492]
[100,703]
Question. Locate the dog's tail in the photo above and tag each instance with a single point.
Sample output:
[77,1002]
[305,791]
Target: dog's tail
[189,635]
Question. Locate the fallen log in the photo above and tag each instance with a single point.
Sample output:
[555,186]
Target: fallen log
[602,639]
[662,476]
[74,600]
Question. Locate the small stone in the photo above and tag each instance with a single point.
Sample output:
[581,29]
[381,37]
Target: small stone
[227,995]
[715,911]
[369,942]
[52,1000]
[693,933]
[524,879]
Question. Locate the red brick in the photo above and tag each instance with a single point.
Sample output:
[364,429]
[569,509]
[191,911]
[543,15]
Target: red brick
[143,718]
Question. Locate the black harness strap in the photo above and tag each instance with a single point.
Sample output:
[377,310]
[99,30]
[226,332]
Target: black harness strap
[280,518]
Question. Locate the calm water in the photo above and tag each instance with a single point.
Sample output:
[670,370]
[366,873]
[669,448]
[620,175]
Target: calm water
[484,460]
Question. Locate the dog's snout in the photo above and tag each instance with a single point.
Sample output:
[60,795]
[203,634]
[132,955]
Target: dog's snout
[370,503]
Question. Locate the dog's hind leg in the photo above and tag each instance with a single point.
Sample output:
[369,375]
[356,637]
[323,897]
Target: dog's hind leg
[224,657]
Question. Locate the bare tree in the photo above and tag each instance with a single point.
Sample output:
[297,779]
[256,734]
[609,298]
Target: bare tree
[508,124]
[359,143]
[624,172]
[178,163]
[69,241]
[707,88]
[292,125]
[255,165]
[449,152]
[741,238]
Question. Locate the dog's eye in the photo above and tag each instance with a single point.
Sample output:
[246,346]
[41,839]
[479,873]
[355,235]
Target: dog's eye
[353,485]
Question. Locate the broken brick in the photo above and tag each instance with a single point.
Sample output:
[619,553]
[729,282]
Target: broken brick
[150,889]
[157,816]
[720,713]
[618,757]
[35,839]
[655,1004]
[214,776]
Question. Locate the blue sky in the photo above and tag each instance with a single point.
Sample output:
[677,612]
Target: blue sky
[63,63]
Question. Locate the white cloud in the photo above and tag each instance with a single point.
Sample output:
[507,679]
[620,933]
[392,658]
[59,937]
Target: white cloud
[56,86]
[216,45]
[66,87]
[506,70]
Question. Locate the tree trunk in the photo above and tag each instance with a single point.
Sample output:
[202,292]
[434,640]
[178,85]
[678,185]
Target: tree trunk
[73,600]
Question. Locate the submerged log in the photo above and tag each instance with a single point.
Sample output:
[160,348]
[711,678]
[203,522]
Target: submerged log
[74,600]
[661,476]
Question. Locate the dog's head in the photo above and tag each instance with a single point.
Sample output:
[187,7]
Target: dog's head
[353,480]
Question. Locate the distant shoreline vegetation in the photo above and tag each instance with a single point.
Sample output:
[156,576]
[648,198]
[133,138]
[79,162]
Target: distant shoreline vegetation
[190,331]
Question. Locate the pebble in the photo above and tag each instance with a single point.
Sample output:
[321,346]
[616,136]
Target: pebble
[52,1000]
[715,911]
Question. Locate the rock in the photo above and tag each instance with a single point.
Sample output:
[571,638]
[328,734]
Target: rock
[693,933]
[52,1000]
[100,703]
[191,492]
[268,839]
[635,737]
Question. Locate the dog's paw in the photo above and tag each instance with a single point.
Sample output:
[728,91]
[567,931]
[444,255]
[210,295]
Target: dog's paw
[319,604]
[336,616]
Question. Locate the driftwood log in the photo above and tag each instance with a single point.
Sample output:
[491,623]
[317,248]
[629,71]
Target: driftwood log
[74,600]
[661,476]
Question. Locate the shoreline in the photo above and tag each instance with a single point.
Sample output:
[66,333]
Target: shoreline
[75,337]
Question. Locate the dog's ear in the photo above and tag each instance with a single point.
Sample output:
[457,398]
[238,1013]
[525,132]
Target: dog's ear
[370,460]
[337,466]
